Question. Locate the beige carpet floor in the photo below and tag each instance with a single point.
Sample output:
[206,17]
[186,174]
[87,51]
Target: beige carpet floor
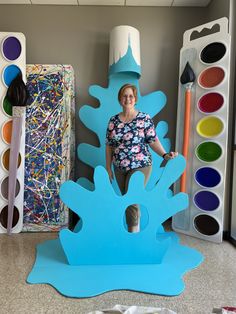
[212,284]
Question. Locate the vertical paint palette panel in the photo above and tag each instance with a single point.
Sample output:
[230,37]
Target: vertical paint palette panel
[12,62]
[50,145]
[209,57]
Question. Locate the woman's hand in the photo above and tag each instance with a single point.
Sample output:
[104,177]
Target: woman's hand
[170,155]
[110,174]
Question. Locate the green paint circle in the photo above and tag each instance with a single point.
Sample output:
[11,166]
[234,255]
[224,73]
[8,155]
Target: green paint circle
[208,151]
[7,107]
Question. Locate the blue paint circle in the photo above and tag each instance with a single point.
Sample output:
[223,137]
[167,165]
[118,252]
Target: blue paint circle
[11,48]
[10,72]
[206,200]
[207,177]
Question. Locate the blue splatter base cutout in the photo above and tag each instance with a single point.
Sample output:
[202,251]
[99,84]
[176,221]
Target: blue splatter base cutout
[90,280]
[103,256]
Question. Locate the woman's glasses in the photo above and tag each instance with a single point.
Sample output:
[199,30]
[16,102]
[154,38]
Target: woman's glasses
[128,96]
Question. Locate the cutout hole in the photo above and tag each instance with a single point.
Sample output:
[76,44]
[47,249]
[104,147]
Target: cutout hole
[205,32]
[136,220]
[75,223]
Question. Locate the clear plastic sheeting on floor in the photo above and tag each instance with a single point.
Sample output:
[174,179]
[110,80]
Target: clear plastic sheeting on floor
[123,309]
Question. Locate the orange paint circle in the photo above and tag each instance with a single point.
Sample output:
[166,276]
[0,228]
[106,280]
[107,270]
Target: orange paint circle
[6,159]
[211,77]
[7,131]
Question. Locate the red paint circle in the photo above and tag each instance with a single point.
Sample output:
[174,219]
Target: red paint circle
[210,102]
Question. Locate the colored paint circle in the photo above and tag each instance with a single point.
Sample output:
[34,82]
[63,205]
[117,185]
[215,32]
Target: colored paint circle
[206,200]
[7,106]
[211,77]
[213,52]
[210,102]
[11,48]
[208,151]
[207,177]
[6,159]
[7,131]
[4,215]
[4,188]
[210,126]
[206,225]
[9,73]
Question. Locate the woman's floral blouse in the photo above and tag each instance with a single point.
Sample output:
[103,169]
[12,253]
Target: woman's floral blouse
[130,140]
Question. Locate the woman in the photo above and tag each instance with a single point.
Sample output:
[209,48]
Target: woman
[129,135]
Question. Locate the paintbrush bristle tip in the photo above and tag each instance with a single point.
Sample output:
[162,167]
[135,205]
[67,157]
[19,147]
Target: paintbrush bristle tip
[188,75]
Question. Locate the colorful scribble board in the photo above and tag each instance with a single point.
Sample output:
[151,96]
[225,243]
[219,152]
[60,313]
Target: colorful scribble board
[50,148]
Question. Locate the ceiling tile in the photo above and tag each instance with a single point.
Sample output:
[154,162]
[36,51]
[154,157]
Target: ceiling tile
[57,2]
[190,3]
[15,2]
[165,3]
[101,2]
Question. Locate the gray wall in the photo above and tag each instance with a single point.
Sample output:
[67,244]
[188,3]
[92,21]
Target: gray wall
[218,8]
[80,36]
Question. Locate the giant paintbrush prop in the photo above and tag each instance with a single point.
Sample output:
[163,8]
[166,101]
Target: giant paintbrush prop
[17,95]
[187,78]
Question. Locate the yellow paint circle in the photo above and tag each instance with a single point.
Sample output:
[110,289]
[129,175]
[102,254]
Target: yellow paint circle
[210,127]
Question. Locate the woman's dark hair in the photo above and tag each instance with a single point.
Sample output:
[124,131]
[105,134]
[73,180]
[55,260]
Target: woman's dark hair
[124,87]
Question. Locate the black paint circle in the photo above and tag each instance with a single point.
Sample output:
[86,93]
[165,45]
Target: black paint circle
[213,52]
[206,225]
[4,215]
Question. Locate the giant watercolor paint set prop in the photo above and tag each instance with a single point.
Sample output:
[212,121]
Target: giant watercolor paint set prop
[12,63]
[209,57]
[100,254]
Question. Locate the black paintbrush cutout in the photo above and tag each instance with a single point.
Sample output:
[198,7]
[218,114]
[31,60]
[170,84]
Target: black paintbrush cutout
[188,75]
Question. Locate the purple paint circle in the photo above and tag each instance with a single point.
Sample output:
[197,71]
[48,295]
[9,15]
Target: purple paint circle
[206,200]
[207,177]
[206,225]
[11,48]
[10,73]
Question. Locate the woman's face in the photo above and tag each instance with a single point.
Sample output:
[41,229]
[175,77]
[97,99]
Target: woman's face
[127,100]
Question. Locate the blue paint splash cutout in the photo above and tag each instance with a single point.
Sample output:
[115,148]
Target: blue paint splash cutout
[102,255]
